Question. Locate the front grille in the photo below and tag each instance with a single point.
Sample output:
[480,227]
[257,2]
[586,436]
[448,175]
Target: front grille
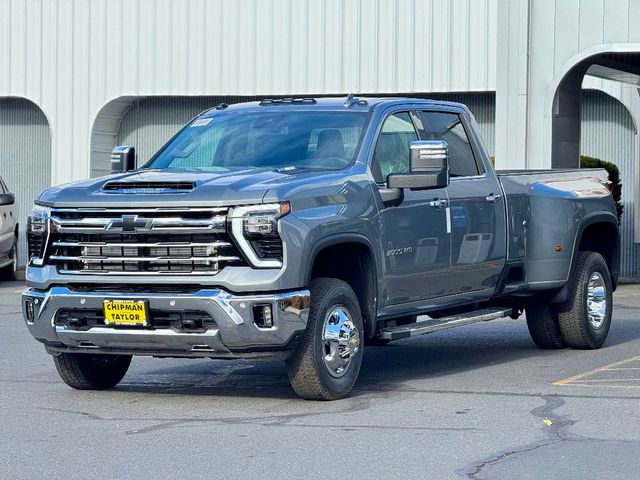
[187,321]
[141,241]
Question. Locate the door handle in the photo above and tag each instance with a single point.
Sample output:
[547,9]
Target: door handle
[493,198]
[438,203]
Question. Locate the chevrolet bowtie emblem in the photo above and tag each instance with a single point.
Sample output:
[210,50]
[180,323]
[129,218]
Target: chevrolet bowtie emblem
[130,223]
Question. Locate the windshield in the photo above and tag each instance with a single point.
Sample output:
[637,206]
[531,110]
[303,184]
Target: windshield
[275,140]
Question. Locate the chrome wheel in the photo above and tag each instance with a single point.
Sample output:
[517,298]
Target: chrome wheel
[596,300]
[341,340]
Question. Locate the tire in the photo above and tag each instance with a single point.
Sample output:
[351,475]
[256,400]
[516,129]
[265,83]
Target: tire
[91,372]
[316,371]
[9,273]
[583,326]
[542,320]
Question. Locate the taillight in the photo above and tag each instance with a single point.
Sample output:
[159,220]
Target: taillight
[610,185]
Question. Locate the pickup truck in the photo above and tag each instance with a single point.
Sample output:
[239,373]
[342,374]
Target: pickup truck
[8,234]
[305,229]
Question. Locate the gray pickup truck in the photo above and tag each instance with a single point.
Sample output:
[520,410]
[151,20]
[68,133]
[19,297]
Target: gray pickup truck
[305,229]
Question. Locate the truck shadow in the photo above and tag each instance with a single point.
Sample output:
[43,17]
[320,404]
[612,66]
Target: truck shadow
[454,359]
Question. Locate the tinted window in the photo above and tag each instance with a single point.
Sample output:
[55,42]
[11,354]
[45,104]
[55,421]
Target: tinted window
[236,140]
[392,149]
[2,187]
[448,127]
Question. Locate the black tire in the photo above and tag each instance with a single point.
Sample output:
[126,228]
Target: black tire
[9,272]
[542,320]
[91,372]
[577,329]
[309,374]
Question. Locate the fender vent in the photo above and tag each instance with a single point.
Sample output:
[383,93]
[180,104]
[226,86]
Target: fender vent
[149,186]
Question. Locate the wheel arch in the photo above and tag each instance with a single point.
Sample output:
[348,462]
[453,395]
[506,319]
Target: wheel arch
[598,232]
[349,257]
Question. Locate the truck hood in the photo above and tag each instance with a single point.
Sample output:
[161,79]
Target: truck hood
[141,188]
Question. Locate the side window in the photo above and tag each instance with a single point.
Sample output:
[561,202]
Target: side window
[449,127]
[2,189]
[392,149]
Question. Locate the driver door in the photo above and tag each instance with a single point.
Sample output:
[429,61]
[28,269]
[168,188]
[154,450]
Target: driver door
[416,245]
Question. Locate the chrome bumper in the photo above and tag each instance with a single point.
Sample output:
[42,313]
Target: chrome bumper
[234,336]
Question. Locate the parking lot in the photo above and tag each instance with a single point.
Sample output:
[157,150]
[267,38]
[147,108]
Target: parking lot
[475,402]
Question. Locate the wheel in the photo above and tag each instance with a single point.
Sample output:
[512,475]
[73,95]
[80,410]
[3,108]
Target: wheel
[91,372]
[542,320]
[326,364]
[585,317]
[9,272]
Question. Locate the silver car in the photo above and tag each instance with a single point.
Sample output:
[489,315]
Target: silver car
[8,234]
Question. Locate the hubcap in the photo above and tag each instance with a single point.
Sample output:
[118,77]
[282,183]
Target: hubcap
[341,340]
[596,300]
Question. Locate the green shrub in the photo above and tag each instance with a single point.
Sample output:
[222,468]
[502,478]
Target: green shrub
[614,177]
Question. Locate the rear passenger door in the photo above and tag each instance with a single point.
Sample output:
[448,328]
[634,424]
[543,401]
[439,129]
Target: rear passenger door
[476,207]
[413,234]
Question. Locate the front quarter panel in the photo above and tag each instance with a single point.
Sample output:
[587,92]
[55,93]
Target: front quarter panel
[336,208]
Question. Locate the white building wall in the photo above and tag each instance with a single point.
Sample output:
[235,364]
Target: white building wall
[72,57]
[533,61]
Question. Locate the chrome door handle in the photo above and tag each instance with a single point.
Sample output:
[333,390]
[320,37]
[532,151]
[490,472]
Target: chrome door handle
[438,203]
[493,198]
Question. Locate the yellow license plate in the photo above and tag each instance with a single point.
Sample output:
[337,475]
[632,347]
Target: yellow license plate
[125,312]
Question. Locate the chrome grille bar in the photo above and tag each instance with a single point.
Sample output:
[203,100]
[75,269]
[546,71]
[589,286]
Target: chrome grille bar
[128,211]
[215,224]
[131,273]
[142,244]
[103,259]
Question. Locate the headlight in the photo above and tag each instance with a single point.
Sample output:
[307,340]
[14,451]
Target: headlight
[255,229]
[37,233]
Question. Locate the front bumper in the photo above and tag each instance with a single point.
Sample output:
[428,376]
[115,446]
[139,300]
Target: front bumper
[235,334]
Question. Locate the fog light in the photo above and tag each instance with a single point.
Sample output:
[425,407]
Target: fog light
[262,316]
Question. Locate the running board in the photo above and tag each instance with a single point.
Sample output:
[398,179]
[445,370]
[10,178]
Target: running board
[433,325]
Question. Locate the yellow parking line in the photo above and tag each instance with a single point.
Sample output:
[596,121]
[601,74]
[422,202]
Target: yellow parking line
[580,376]
[19,291]
[597,380]
[620,369]
[596,385]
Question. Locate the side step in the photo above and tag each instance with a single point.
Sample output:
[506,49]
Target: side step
[429,326]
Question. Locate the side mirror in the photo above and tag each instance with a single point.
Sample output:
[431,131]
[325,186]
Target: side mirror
[123,159]
[429,167]
[7,199]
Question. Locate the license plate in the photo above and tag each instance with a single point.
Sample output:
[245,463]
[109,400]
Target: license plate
[125,312]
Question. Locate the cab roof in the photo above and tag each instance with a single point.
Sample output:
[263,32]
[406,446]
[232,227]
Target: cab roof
[327,104]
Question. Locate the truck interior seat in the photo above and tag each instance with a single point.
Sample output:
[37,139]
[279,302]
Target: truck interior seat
[330,144]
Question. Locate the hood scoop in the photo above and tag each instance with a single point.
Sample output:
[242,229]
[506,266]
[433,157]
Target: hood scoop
[149,187]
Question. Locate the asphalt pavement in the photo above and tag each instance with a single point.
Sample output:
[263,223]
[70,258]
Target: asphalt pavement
[475,402]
